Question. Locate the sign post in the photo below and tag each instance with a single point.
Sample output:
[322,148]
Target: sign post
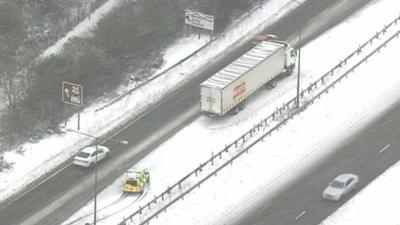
[72,94]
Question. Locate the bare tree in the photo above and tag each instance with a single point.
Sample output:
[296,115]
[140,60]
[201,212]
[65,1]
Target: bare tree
[11,37]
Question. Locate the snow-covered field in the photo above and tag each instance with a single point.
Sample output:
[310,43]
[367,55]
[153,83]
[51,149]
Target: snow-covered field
[36,159]
[273,163]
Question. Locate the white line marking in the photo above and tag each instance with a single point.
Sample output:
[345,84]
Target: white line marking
[264,209]
[25,192]
[384,148]
[300,215]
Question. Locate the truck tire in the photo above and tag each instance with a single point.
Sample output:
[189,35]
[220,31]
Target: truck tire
[234,111]
[238,108]
[271,84]
[242,105]
[289,71]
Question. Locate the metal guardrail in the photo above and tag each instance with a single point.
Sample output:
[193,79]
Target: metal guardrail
[265,123]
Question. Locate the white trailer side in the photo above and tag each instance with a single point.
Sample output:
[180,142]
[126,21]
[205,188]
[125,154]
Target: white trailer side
[241,78]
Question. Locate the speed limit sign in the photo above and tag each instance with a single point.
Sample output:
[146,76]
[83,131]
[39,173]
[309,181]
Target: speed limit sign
[72,93]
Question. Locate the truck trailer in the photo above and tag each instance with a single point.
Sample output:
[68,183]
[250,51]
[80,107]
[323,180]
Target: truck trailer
[227,90]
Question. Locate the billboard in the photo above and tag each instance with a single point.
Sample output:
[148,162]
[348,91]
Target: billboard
[199,20]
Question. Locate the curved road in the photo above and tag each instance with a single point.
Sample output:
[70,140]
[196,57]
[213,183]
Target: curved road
[70,188]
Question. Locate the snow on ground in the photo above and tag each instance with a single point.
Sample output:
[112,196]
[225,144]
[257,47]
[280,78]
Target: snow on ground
[39,158]
[308,138]
[180,49]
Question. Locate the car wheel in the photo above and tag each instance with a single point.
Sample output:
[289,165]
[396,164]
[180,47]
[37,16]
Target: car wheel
[91,164]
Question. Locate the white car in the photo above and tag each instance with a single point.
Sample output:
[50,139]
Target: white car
[340,186]
[87,156]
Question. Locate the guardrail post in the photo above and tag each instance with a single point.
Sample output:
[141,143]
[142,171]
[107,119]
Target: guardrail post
[212,158]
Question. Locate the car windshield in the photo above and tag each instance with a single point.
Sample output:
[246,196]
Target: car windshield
[83,155]
[132,182]
[337,184]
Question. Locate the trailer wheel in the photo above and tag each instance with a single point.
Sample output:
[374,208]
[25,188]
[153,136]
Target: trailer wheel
[234,111]
[238,108]
[242,105]
[271,84]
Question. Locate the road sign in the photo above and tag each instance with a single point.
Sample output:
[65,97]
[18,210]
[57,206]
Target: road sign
[72,93]
[199,20]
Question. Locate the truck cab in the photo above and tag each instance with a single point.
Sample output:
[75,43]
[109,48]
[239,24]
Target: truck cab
[291,53]
[291,58]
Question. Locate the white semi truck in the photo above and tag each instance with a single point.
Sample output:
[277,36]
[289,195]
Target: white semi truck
[227,90]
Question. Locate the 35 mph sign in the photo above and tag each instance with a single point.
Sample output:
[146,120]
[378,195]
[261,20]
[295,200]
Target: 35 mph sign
[72,93]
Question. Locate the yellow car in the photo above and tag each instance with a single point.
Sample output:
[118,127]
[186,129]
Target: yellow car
[135,181]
